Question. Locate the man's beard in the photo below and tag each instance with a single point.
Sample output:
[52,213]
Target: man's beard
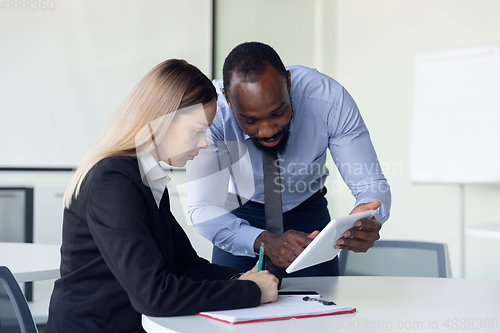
[281,147]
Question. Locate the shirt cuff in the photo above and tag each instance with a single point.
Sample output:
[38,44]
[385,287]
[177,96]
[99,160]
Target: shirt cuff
[245,239]
[380,213]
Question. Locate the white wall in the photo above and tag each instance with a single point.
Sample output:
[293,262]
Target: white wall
[368,46]
[65,70]
[376,41]
[289,26]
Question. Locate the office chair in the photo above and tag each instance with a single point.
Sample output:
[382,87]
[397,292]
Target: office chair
[397,258]
[15,315]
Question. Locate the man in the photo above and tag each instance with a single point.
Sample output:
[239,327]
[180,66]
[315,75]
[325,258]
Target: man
[293,116]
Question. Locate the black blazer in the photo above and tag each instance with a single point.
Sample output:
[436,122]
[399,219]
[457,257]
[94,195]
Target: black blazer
[122,257]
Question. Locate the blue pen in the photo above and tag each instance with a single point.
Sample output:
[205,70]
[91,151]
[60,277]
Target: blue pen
[261,257]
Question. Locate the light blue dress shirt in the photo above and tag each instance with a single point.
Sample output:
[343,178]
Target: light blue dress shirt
[324,116]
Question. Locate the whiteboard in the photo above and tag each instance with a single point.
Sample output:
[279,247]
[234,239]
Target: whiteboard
[456,116]
[66,67]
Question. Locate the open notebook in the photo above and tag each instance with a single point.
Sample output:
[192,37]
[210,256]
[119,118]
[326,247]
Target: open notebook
[285,307]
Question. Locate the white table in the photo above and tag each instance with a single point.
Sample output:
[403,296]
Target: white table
[31,262]
[384,304]
[486,230]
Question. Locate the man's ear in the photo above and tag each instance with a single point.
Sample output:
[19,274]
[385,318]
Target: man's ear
[289,81]
[227,99]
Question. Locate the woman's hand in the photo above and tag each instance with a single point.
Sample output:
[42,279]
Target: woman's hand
[267,282]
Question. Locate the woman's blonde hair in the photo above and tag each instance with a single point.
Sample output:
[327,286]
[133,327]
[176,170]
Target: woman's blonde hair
[171,85]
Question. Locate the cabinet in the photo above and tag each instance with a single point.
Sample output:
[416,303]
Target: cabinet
[41,212]
[16,214]
[16,220]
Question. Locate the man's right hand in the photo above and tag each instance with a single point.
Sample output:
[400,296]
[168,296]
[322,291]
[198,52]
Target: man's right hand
[283,249]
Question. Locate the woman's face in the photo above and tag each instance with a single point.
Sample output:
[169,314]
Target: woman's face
[186,134]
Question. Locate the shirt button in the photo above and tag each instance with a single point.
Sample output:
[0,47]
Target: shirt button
[223,247]
[246,251]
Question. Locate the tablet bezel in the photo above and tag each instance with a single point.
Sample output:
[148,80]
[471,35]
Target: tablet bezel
[321,248]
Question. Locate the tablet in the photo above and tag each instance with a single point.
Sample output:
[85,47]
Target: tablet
[322,249]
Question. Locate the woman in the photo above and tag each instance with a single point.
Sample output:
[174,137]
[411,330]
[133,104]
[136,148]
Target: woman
[123,253]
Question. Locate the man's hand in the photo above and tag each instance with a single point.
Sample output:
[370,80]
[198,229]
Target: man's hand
[283,249]
[361,238]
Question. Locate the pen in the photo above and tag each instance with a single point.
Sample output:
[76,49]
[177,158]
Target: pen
[261,257]
[307,298]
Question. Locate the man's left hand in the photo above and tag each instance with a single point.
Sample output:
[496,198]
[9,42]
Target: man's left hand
[366,232]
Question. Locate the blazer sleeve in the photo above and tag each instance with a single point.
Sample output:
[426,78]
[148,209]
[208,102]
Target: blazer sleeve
[197,268]
[118,218]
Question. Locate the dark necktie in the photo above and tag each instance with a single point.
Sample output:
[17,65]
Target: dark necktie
[272,205]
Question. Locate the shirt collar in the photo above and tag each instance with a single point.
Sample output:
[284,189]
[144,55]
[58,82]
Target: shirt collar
[154,175]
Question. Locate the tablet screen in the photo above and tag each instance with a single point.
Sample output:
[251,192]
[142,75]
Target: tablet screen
[322,249]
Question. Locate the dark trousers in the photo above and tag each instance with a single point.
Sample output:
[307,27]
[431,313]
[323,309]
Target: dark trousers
[309,216]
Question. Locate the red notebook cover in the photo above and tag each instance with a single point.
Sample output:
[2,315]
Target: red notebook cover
[277,318]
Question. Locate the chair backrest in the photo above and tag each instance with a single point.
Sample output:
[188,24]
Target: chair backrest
[398,258]
[15,315]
